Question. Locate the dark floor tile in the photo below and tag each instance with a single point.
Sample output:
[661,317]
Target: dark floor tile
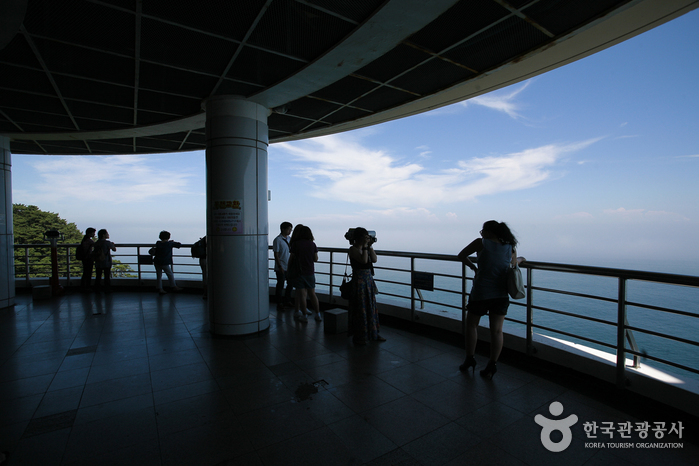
[490,419]
[114,408]
[19,409]
[442,445]
[58,401]
[451,399]
[325,407]
[185,391]
[274,424]
[192,412]
[250,397]
[365,393]
[180,358]
[405,420]
[141,454]
[118,369]
[212,443]
[397,457]
[530,397]
[522,439]
[45,449]
[102,436]
[23,387]
[364,441]
[182,375]
[486,454]
[69,378]
[116,389]
[319,447]
[410,378]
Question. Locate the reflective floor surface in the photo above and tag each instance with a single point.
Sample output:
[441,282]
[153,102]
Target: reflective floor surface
[136,378]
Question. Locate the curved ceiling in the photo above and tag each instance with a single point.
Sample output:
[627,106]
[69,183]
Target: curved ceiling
[130,76]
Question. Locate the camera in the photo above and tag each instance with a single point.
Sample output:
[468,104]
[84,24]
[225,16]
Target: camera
[349,236]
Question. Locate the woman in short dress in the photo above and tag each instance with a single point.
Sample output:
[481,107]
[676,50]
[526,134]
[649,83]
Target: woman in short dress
[495,250]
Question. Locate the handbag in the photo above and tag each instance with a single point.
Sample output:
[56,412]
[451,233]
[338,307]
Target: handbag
[515,284]
[347,288]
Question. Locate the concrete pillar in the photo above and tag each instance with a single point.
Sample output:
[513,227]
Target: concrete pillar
[236,215]
[7,254]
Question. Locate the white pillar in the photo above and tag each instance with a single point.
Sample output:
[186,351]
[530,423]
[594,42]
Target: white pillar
[236,215]
[7,254]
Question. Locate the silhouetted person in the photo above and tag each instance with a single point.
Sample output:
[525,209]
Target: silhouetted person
[163,261]
[305,252]
[495,250]
[280,247]
[364,313]
[102,254]
[86,246]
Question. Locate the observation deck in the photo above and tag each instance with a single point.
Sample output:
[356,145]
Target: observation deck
[135,377]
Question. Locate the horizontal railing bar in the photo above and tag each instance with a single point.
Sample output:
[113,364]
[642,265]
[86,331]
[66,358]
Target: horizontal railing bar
[661,360]
[663,335]
[577,316]
[591,340]
[616,273]
[440,304]
[573,293]
[662,309]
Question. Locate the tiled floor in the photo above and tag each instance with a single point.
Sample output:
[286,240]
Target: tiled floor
[136,378]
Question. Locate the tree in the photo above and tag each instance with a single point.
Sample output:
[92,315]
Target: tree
[29,224]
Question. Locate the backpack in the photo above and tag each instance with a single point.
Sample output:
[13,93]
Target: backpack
[199,248]
[80,252]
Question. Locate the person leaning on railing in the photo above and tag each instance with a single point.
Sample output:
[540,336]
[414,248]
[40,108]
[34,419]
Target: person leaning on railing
[496,250]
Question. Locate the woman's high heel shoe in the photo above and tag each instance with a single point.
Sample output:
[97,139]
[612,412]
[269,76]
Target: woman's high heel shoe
[470,362]
[489,370]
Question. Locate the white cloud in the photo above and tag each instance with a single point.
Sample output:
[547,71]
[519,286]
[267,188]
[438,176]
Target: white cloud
[645,215]
[577,216]
[500,101]
[114,179]
[341,168]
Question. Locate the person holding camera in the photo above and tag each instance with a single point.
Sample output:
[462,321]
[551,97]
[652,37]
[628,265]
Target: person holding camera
[364,314]
[495,250]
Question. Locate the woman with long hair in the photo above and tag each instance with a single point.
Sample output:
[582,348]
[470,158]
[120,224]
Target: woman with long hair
[364,314]
[496,251]
[303,256]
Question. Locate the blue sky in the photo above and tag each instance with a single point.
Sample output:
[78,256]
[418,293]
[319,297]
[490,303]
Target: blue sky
[593,163]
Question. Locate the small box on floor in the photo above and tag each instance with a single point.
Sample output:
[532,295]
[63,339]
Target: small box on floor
[336,321]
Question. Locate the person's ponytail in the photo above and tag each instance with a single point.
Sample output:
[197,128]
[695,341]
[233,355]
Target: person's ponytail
[505,234]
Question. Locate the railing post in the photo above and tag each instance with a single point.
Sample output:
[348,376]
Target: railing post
[621,335]
[530,314]
[330,289]
[138,263]
[412,290]
[463,301]
[26,266]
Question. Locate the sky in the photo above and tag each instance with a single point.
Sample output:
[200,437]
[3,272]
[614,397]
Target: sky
[594,163]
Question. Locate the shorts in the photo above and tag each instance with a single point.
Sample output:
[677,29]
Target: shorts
[304,281]
[496,306]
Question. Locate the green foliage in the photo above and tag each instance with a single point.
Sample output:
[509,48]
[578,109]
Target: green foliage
[29,224]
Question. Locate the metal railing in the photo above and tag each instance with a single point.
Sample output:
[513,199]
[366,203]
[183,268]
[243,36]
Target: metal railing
[607,309]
